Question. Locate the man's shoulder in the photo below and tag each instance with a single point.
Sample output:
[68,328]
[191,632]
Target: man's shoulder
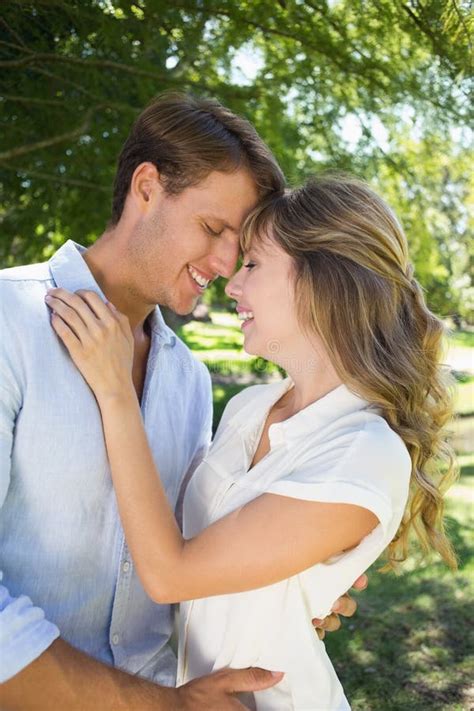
[26,273]
[21,293]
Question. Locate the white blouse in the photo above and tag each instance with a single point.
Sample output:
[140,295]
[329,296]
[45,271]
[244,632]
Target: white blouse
[338,449]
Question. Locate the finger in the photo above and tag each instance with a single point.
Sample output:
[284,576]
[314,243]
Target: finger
[78,305]
[361,582]
[252,679]
[331,623]
[95,303]
[122,319]
[66,334]
[321,633]
[106,312]
[68,316]
[345,606]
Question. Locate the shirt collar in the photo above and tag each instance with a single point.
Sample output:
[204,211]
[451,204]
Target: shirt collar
[336,404]
[71,272]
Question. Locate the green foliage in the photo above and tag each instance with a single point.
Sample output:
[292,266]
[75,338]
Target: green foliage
[75,74]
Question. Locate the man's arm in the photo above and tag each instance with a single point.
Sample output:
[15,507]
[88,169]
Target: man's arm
[64,678]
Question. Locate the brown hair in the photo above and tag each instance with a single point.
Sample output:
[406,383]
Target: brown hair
[354,287]
[186,138]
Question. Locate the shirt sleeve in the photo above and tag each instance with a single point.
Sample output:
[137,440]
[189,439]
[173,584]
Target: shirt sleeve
[24,631]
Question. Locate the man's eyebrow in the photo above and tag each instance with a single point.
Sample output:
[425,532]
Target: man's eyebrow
[231,229]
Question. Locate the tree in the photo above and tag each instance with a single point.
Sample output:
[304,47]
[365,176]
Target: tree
[376,87]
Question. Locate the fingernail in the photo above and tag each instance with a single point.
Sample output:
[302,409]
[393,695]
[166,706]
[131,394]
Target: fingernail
[47,298]
[336,607]
[274,673]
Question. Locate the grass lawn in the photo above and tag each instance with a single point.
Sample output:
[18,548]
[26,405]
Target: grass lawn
[462,338]
[411,644]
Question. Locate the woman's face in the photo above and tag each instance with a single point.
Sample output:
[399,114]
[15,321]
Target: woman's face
[264,291]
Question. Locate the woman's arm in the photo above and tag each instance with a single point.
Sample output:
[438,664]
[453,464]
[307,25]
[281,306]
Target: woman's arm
[271,538]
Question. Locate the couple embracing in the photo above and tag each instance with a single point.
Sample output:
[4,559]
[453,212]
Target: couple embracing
[106,420]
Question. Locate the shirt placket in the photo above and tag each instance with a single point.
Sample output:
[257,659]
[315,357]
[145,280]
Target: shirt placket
[120,608]
[120,613]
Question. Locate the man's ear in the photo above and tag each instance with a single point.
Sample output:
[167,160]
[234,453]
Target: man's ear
[144,186]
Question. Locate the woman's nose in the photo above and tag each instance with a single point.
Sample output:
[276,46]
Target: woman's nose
[233,287]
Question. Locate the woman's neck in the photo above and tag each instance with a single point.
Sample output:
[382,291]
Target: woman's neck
[311,383]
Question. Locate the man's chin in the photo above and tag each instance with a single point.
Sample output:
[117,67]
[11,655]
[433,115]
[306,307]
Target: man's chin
[183,309]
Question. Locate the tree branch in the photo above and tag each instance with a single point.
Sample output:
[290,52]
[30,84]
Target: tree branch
[107,64]
[62,103]
[96,63]
[32,100]
[76,182]
[68,82]
[12,32]
[69,136]
[4,43]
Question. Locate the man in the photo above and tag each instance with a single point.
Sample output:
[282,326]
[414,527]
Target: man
[187,176]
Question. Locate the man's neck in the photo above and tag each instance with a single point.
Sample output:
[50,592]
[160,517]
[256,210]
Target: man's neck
[106,262]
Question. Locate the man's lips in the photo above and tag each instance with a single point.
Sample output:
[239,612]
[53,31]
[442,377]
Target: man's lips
[199,278]
[205,275]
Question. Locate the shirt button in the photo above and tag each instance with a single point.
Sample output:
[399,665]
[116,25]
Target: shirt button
[115,639]
[126,566]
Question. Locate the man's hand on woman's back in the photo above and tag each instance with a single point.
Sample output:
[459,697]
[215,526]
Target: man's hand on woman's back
[345,606]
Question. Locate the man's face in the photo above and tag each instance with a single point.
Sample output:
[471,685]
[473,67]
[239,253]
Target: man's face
[185,241]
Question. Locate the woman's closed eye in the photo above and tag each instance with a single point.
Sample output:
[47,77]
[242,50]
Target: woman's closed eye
[249,265]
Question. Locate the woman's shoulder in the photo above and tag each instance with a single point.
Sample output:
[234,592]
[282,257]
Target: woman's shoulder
[372,457]
[380,446]
[358,457]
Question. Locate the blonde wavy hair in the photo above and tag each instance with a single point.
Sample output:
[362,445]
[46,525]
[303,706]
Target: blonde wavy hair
[355,288]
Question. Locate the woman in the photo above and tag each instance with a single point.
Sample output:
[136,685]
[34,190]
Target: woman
[309,479]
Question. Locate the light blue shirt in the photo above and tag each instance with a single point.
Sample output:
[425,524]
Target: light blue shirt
[66,567]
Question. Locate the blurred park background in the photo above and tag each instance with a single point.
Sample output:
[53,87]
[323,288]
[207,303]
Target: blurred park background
[381,88]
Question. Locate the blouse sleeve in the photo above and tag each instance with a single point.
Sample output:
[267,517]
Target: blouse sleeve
[372,471]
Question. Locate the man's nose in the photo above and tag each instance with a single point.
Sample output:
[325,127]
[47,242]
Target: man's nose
[226,254]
